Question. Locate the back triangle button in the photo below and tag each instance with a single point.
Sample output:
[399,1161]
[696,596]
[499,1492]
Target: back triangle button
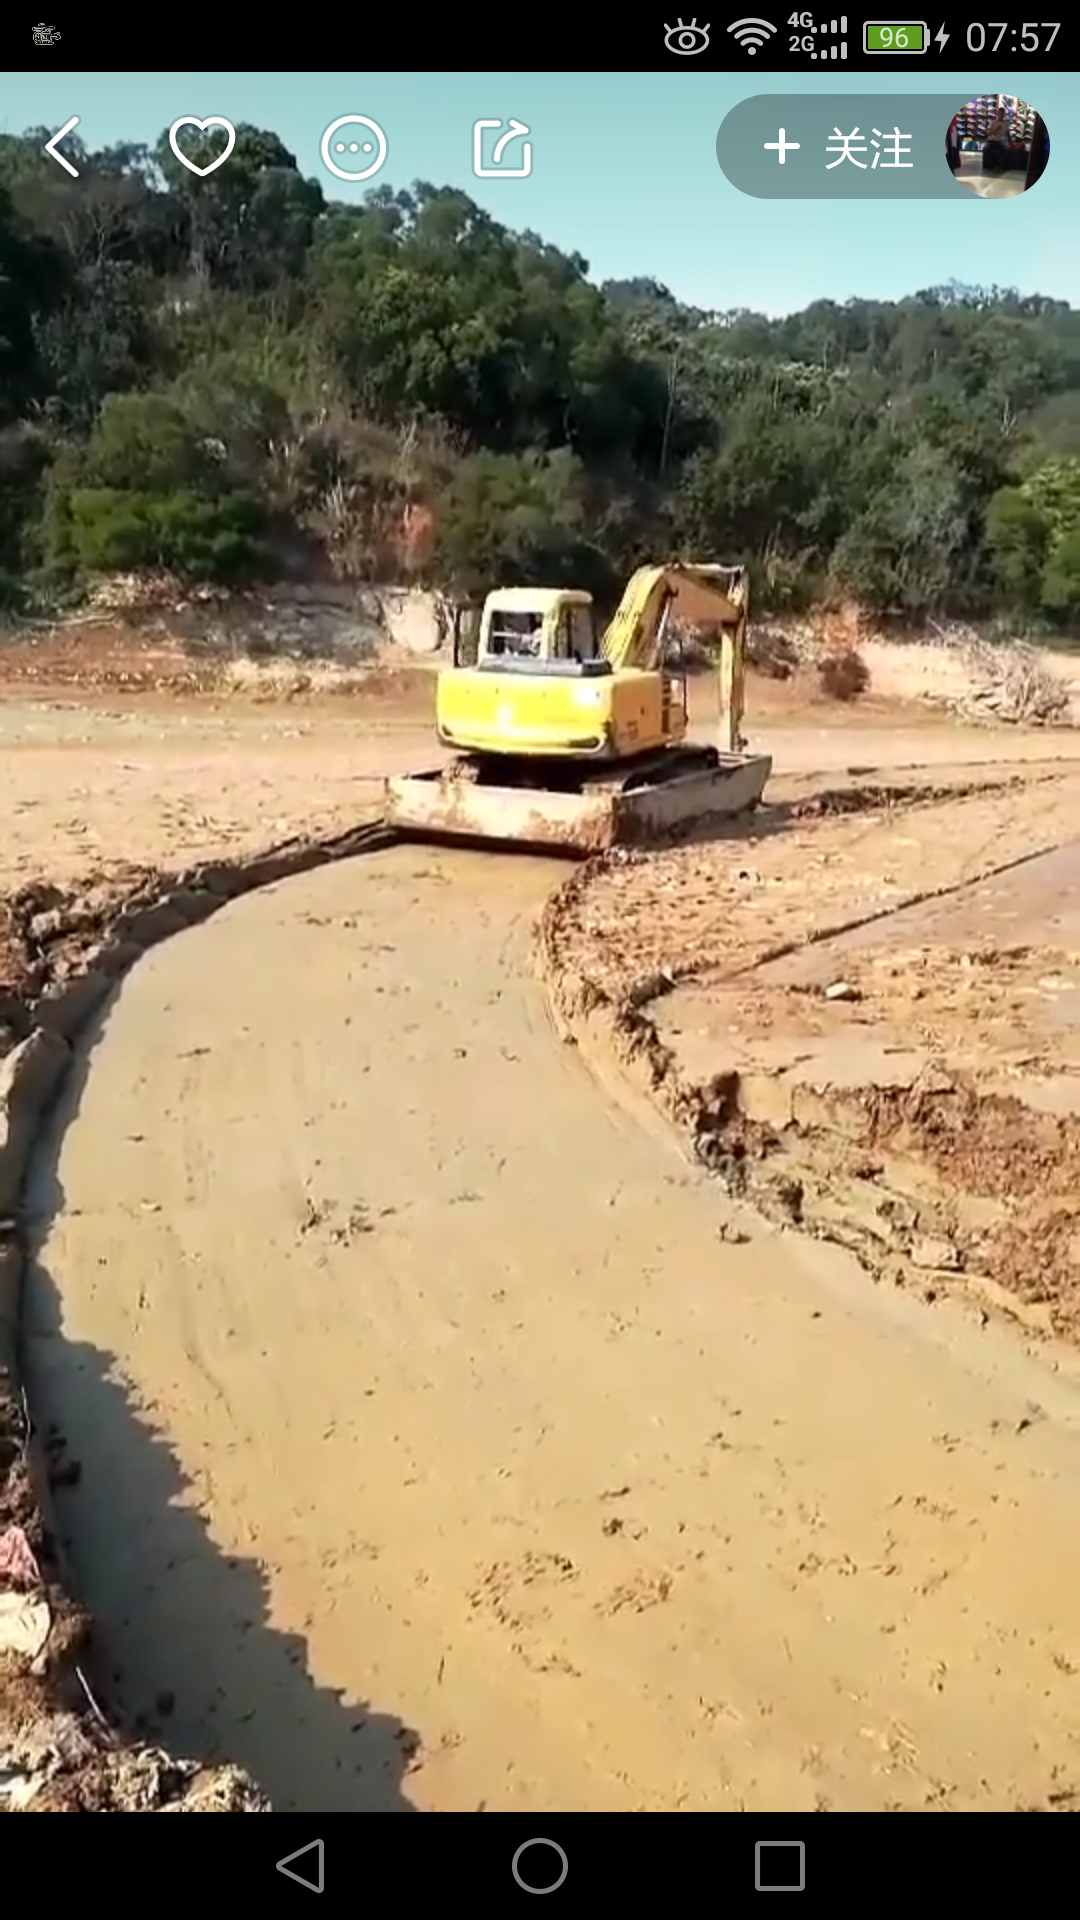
[313,1875]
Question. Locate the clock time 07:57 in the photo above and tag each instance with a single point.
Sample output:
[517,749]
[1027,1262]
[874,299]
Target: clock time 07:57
[1032,36]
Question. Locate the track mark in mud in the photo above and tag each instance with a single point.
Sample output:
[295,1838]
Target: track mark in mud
[515,1591]
[638,1595]
[342,1226]
[524,1597]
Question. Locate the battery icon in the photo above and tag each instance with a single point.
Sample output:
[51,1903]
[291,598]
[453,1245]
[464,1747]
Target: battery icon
[895,36]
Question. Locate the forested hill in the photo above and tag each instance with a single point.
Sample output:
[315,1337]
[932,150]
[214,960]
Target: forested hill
[233,376]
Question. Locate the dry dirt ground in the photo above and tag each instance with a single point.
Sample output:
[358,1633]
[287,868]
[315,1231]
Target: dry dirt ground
[873,1027]
[429,1432]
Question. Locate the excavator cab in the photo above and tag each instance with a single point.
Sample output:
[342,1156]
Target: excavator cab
[528,680]
[526,629]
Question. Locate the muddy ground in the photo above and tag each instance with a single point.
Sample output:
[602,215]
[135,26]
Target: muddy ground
[872,1026]
[869,1082]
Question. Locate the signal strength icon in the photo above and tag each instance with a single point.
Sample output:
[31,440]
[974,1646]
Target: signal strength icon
[752,34]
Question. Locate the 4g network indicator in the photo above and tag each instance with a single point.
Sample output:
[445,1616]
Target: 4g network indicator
[824,36]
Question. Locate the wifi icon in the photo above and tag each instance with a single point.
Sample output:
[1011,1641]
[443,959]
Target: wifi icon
[752,34]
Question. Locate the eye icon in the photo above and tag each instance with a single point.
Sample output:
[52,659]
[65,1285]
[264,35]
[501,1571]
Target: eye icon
[686,38]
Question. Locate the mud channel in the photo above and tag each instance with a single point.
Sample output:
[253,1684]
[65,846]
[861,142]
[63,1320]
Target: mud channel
[443,1447]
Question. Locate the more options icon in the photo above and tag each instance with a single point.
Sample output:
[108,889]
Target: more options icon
[353,148]
[539,1866]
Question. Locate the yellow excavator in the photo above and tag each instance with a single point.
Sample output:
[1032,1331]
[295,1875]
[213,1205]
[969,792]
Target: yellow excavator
[566,738]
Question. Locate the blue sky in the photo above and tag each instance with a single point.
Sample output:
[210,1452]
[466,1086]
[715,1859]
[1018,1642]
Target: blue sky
[625,172]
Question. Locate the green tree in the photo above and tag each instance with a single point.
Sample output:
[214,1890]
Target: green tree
[431,308]
[149,490]
[518,520]
[1053,491]
[99,340]
[905,553]
[1017,536]
[186,363]
[1061,579]
[32,282]
[194,538]
[251,223]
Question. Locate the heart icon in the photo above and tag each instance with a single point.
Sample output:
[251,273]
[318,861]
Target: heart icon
[202,126]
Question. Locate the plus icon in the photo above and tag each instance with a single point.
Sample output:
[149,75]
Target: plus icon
[782,147]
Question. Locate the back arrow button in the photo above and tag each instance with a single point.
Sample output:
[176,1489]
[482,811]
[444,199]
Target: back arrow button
[313,1875]
[51,146]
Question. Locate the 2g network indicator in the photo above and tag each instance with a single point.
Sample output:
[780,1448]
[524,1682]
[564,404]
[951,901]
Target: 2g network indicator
[811,28]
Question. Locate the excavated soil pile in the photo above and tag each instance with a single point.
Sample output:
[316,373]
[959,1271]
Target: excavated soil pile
[870,1028]
[61,953]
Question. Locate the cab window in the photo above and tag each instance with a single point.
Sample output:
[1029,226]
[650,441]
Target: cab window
[583,633]
[575,638]
[516,633]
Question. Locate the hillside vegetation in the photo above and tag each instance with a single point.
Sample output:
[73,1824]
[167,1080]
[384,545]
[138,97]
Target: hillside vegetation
[233,378]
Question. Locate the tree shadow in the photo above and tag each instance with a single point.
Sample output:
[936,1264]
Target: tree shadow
[183,1651]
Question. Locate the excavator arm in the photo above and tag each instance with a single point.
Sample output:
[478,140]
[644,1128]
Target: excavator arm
[711,595]
[635,636]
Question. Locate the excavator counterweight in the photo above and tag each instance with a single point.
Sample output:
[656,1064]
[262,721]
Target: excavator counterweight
[566,740]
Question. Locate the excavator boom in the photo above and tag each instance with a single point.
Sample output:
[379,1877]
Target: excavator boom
[635,636]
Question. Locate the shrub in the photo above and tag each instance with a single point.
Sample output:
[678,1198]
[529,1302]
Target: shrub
[844,675]
[116,530]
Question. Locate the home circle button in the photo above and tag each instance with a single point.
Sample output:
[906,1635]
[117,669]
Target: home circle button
[539,1866]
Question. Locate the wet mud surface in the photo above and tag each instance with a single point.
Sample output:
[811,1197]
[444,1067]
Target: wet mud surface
[445,1445]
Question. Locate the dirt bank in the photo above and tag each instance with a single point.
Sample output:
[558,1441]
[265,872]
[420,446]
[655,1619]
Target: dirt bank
[878,1042]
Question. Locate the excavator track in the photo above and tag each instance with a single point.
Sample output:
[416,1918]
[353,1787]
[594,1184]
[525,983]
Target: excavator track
[535,775]
[657,769]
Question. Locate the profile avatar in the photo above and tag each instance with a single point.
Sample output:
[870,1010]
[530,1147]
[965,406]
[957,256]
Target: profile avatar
[997,146]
